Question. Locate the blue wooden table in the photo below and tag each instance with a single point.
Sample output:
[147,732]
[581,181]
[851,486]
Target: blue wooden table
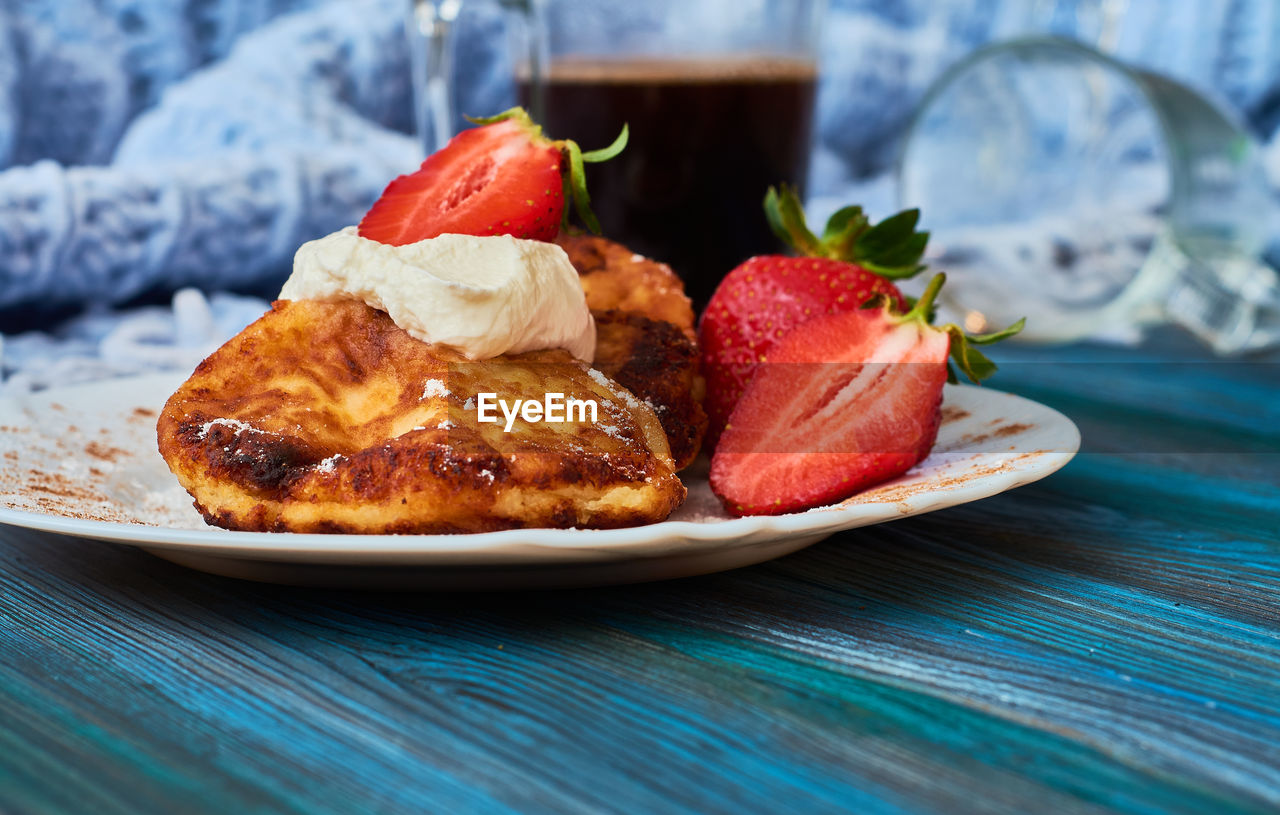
[1106,640]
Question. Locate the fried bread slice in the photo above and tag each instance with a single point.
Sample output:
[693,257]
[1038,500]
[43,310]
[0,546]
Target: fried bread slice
[659,364]
[327,417]
[645,337]
[615,278]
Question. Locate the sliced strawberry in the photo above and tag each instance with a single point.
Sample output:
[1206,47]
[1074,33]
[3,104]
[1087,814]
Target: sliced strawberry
[847,400]
[767,296]
[758,303]
[501,178]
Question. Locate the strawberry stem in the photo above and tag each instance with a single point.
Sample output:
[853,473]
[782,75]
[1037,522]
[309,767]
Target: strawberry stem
[576,181]
[786,218]
[922,310]
[962,349]
[606,153]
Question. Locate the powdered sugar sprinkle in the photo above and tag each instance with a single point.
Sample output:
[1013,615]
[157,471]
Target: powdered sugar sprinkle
[433,388]
[234,424]
[330,464]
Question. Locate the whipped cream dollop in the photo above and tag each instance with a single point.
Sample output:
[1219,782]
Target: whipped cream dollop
[482,296]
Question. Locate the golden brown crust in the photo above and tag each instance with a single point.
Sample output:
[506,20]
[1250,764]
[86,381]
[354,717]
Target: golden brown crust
[637,302]
[327,417]
[615,278]
[659,364]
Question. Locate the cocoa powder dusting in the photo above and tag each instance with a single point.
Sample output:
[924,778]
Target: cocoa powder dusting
[999,433]
[892,493]
[63,487]
[53,506]
[104,452]
[1012,430]
[65,463]
[56,493]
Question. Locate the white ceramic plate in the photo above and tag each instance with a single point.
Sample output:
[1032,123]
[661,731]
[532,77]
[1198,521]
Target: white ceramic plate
[82,461]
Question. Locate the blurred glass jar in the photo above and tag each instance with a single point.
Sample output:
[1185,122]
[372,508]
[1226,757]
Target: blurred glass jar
[719,95]
[1091,197]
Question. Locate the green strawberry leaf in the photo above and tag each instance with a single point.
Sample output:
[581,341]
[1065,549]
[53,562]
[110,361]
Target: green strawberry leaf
[577,181]
[962,350]
[516,112]
[904,254]
[843,221]
[786,218]
[773,215]
[892,248]
[606,153]
[889,233]
[842,231]
[996,336]
[576,178]
[892,272]
[971,362]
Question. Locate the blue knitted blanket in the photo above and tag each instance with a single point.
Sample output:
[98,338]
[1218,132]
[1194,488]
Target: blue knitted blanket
[150,146]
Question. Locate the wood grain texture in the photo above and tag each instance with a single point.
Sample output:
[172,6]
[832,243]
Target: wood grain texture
[1107,640]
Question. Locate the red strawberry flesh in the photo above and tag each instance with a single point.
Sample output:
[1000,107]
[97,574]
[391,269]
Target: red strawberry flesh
[758,303]
[846,401]
[500,179]
[764,298]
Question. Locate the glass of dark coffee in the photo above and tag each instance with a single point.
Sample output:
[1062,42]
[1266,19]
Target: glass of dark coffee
[719,96]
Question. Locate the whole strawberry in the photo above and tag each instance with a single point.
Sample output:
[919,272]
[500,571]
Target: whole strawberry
[501,178]
[761,300]
[847,401]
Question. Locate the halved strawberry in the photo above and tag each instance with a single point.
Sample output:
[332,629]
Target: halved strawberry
[765,297]
[846,401]
[502,178]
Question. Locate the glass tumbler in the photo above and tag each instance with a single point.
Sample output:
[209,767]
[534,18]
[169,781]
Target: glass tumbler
[718,94]
[1092,197]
